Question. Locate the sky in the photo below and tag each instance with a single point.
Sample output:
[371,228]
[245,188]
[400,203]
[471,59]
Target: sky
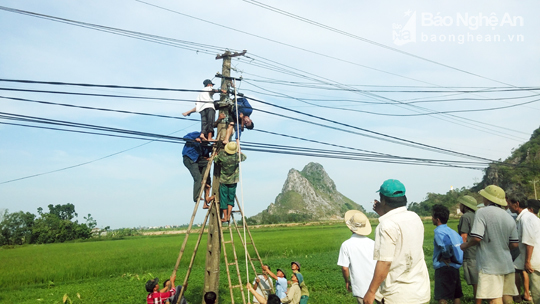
[350,62]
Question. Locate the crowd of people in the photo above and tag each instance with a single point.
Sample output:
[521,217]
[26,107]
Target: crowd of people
[198,148]
[494,245]
[495,249]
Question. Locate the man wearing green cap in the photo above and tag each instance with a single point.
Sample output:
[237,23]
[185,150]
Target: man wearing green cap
[467,206]
[494,232]
[401,273]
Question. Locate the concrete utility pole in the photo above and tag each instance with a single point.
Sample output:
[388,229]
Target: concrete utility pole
[213,252]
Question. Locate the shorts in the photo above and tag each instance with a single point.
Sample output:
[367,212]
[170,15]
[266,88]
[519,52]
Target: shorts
[227,193]
[470,272]
[493,286]
[447,283]
[534,285]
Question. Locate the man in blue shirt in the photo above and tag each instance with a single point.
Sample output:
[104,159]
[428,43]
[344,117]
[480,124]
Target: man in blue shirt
[195,157]
[281,281]
[244,119]
[447,257]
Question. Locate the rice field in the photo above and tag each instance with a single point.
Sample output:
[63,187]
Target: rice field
[114,271]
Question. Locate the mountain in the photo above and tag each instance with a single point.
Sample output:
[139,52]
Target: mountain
[516,174]
[309,194]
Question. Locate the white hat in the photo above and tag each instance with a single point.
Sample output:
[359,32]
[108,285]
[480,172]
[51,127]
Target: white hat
[357,222]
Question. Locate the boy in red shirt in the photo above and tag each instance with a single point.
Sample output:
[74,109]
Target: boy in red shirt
[157,296]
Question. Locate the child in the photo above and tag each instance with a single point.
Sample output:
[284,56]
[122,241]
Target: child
[157,296]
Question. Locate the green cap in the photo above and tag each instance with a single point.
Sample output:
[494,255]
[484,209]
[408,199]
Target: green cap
[494,194]
[392,188]
[469,201]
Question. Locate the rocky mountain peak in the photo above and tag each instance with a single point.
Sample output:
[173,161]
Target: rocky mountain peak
[309,194]
[318,177]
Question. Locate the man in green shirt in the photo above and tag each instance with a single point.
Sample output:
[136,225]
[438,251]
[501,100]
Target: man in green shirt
[229,158]
[295,267]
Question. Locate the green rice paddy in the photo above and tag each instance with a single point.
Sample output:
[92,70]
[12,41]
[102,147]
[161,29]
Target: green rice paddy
[114,271]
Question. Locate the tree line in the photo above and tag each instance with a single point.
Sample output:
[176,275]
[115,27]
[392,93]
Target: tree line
[56,226]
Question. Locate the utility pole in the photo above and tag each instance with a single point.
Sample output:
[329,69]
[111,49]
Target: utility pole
[213,247]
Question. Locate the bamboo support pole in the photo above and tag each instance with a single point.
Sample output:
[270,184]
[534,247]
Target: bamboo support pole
[236,263]
[203,182]
[201,232]
[224,248]
[252,242]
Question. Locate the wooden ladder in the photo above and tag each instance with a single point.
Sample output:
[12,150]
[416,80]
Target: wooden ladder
[251,259]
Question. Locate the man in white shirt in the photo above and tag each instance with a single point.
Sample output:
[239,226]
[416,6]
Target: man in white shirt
[528,229]
[401,274]
[205,107]
[356,255]
[263,285]
[532,266]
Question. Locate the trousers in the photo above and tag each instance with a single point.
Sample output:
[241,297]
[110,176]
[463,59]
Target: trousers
[197,170]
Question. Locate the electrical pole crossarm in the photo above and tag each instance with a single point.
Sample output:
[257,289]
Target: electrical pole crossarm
[229,54]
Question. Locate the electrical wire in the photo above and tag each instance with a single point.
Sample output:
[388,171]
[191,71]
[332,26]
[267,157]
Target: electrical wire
[347,34]
[290,150]
[80,164]
[188,45]
[379,135]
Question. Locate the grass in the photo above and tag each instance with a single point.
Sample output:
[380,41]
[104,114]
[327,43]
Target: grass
[115,271]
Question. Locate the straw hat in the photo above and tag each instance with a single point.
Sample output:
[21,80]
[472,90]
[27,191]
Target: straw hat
[469,201]
[231,148]
[494,194]
[357,222]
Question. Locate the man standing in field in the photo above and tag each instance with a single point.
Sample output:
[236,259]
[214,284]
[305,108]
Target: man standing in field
[356,255]
[532,266]
[494,232]
[401,274]
[295,267]
[467,206]
[157,296]
[263,285]
[528,229]
[281,281]
[447,257]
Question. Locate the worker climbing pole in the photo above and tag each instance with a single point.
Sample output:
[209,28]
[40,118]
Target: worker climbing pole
[213,247]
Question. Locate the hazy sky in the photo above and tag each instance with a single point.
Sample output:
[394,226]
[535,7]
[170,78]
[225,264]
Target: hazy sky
[450,47]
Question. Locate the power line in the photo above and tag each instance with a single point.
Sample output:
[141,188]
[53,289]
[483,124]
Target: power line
[80,164]
[379,135]
[301,151]
[138,35]
[95,108]
[97,85]
[417,114]
[450,117]
[188,45]
[309,21]
[500,135]
[395,139]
